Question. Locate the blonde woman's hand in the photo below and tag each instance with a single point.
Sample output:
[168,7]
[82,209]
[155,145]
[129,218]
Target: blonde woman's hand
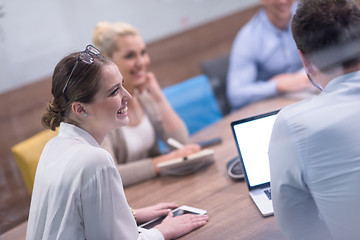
[174,227]
[152,86]
[185,151]
[154,211]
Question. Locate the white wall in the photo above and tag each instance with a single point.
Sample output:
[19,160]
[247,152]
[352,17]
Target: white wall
[36,34]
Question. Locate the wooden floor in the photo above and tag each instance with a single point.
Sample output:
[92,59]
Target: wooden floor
[14,199]
[174,59]
[19,119]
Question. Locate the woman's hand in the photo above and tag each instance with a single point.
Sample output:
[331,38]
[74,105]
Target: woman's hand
[152,86]
[174,227]
[148,213]
[171,121]
[185,151]
[182,152]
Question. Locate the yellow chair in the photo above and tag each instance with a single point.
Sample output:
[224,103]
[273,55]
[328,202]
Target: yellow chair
[27,154]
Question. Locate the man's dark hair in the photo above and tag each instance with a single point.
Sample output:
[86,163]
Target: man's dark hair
[328,31]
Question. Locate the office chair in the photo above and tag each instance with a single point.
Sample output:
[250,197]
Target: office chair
[216,70]
[195,102]
[27,154]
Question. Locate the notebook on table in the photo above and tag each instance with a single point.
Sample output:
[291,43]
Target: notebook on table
[187,165]
[252,137]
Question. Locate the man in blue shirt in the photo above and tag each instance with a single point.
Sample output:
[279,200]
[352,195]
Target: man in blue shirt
[314,148]
[264,60]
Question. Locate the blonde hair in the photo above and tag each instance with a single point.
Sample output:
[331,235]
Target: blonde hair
[105,35]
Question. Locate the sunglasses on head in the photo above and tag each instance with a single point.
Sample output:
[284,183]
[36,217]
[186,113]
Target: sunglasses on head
[87,57]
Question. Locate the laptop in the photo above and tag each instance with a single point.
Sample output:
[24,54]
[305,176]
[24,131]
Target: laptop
[252,137]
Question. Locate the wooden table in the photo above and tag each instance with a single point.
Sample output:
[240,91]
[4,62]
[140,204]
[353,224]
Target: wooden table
[232,214]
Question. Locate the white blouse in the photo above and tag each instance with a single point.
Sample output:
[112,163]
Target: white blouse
[139,139]
[78,193]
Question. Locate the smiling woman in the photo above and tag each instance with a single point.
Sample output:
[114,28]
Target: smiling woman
[78,192]
[72,164]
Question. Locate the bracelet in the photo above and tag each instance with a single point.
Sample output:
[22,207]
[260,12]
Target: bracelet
[133,212]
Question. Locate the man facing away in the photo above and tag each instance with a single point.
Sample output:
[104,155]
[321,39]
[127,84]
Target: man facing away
[314,148]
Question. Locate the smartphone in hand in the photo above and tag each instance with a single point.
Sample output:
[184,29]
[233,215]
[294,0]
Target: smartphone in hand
[176,212]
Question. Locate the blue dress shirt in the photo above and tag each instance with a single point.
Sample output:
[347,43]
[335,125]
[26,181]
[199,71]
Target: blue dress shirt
[259,52]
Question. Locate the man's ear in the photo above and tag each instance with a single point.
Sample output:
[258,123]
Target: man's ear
[78,109]
[306,62]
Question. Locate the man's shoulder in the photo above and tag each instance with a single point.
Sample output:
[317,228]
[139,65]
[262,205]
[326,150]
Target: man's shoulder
[297,110]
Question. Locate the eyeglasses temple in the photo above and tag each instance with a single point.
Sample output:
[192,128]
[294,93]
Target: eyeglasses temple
[67,81]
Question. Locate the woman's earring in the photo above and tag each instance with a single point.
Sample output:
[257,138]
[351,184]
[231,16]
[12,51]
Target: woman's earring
[85,114]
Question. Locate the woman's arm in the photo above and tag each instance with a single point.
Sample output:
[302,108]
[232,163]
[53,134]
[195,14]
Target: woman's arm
[170,120]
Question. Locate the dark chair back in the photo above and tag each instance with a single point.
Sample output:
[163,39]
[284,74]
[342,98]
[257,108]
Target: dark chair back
[216,70]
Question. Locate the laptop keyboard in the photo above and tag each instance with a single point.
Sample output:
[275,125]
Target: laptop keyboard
[268,193]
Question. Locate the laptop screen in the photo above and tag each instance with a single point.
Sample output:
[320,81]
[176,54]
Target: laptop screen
[252,137]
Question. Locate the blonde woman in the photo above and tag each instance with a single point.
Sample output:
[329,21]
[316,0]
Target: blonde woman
[135,147]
